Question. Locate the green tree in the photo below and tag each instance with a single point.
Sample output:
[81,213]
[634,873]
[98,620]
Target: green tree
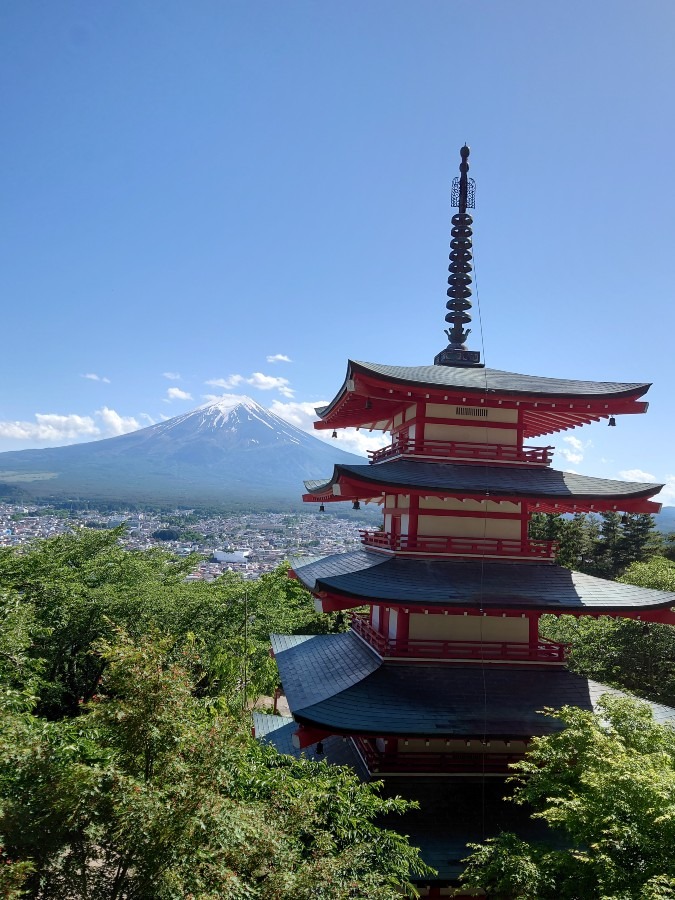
[626,653]
[79,587]
[150,793]
[605,787]
[657,572]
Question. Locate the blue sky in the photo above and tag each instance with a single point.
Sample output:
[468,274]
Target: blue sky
[236,197]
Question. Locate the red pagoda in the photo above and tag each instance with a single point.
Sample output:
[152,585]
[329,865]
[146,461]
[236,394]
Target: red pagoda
[440,684]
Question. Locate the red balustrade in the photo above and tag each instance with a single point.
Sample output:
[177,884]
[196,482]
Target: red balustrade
[494,763]
[488,651]
[533,456]
[460,546]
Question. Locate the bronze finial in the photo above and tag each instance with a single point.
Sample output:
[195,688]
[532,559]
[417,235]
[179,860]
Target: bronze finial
[463,196]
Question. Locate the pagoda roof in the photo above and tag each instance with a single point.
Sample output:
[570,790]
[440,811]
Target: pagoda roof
[366,576]
[278,732]
[392,699]
[495,381]
[503,482]
[372,393]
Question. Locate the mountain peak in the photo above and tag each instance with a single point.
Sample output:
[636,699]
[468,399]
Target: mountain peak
[229,450]
[227,402]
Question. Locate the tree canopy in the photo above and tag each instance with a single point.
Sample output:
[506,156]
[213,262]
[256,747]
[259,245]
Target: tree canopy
[605,787]
[126,768]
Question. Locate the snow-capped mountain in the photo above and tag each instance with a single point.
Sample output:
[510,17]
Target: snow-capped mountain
[227,452]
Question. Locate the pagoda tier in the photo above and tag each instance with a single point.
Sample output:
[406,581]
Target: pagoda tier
[387,398]
[457,588]
[456,509]
[566,491]
[403,718]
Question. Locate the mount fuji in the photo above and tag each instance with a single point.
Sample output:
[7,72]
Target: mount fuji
[228,453]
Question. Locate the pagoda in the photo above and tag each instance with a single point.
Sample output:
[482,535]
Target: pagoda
[439,684]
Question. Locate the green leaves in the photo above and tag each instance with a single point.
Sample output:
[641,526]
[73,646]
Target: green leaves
[603,545]
[637,656]
[131,773]
[606,787]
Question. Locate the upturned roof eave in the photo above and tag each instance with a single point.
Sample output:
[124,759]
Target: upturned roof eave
[342,472]
[361,576]
[618,390]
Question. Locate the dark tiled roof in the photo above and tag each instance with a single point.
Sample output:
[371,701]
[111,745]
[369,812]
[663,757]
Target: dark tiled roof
[278,732]
[389,699]
[501,481]
[498,381]
[446,582]
[319,676]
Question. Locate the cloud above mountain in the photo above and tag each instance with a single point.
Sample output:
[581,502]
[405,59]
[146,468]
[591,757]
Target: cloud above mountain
[175,393]
[57,429]
[256,380]
[303,416]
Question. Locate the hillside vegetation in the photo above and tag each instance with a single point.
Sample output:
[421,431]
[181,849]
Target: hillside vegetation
[126,769]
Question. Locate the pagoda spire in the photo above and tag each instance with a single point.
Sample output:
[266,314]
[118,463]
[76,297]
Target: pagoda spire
[459,280]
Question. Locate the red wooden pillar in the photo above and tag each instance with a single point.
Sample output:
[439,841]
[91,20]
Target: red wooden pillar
[403,626]
[524,523]
[519,430]
[413,516]
[384,620]
[419,420]
[534,629]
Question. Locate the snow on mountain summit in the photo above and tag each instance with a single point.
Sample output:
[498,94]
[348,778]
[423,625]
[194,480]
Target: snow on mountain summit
[228,449]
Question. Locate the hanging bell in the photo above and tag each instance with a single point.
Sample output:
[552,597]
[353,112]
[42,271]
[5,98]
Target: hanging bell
[356,505]
[612,422]
[334,434]
[322,508]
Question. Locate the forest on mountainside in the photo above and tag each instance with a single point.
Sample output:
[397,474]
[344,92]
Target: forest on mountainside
[126,766]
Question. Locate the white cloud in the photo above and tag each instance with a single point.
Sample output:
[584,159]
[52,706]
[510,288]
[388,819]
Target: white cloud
[574,452]
[225,383]
[667,495]
[50,428]
[114,424]
[570,455]
[270,383]
[256,380]
[278,357]
[57,429]
[303,416]
[177,394]
[172,376]
[637,475]
[360,442]
[93,377]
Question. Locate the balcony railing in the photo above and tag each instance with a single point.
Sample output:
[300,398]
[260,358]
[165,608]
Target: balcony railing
[448,450]
[493,763]
[460,546]
[543,651]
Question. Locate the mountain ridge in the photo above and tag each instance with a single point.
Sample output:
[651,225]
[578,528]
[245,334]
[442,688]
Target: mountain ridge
[225,451]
